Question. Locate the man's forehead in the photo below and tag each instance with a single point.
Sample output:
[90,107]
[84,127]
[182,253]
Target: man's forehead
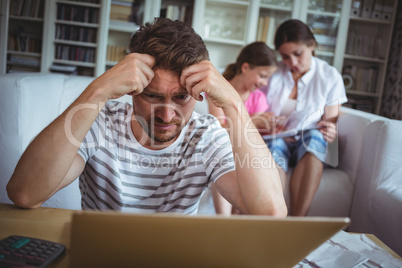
[158,91]
[165,82]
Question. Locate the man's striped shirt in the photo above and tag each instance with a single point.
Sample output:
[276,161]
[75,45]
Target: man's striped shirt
[122,175]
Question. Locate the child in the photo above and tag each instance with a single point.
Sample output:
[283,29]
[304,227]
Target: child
[254,65]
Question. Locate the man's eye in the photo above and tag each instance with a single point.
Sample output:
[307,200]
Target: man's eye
[150,97]
[182,99]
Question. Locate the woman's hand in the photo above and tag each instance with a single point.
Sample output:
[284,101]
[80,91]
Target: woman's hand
[328,129]
[268,123]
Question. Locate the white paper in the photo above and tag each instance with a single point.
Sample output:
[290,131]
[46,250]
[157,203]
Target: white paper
[350,250]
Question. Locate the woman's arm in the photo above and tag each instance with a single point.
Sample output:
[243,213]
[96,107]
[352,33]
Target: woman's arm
[328,122]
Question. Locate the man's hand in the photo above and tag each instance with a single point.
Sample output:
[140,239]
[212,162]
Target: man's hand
[203,77]
[130,76]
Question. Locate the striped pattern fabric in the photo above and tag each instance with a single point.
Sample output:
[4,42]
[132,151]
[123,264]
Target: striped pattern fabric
[122,175]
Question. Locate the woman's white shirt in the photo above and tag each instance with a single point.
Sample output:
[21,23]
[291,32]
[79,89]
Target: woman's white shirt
[322,85]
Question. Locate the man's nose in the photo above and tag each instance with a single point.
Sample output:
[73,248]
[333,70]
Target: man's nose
[166,112]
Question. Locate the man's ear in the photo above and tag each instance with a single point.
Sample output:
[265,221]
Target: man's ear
[245,67]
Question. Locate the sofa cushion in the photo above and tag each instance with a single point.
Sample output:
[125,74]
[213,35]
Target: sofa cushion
[333,197]
[28,104]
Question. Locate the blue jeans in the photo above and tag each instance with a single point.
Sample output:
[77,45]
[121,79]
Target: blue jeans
[288,153]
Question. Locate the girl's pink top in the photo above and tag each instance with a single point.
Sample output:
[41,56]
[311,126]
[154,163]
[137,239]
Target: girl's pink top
[256,102]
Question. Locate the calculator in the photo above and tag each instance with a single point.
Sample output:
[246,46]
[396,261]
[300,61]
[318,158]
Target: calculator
[22,251]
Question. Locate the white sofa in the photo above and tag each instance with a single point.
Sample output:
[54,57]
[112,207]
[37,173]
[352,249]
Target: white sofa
[366,184]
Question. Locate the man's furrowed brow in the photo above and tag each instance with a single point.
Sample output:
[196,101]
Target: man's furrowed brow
[181,91]
[147,90]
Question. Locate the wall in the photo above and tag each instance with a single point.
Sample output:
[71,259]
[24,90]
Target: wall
[392,96]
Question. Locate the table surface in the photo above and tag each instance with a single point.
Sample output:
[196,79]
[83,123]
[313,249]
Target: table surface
[54,224]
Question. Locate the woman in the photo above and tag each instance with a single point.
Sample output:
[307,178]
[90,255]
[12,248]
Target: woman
[254,65]
[305,90]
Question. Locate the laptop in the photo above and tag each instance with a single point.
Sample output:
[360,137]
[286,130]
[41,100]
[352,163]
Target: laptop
[112,239]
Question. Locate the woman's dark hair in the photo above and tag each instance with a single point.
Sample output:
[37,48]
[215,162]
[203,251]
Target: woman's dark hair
[173,44]
[255,54]
[294,31]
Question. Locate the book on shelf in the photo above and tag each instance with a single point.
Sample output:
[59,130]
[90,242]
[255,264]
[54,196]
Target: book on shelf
[21,69]
[75,53]
[367,8]
[362,104]
[65,69]
[127,11]
[365,45]
[115,53]
[121,10]
[356,7]
[377,9]
[325,42]
[178,12]
[387,9]
[364,79]
[75,33]
[77,13]
[23,41]
[266,29]
[27,8]
[87,1]
[23,60]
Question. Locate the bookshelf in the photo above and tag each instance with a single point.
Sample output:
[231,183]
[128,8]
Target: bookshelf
[22,26]
[101,39]
[75,34]
[365,59]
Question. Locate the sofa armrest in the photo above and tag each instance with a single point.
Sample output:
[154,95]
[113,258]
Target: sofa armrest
[377,203]
[352,125]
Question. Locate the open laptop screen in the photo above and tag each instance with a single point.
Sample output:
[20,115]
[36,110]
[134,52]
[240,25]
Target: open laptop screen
[112,239]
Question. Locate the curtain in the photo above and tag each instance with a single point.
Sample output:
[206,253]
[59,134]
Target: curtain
[391,105]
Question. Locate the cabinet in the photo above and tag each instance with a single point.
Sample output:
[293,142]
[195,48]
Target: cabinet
[366,54]
[126,16]
[228,25]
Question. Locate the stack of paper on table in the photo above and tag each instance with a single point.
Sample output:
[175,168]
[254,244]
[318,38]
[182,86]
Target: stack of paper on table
[349,250]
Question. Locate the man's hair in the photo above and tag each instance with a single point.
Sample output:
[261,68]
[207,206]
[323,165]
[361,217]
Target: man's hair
[173,44]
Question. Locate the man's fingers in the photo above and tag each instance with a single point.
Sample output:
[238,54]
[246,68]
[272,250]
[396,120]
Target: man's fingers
[147,59]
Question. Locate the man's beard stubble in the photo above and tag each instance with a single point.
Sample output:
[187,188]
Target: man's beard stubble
[161,136]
